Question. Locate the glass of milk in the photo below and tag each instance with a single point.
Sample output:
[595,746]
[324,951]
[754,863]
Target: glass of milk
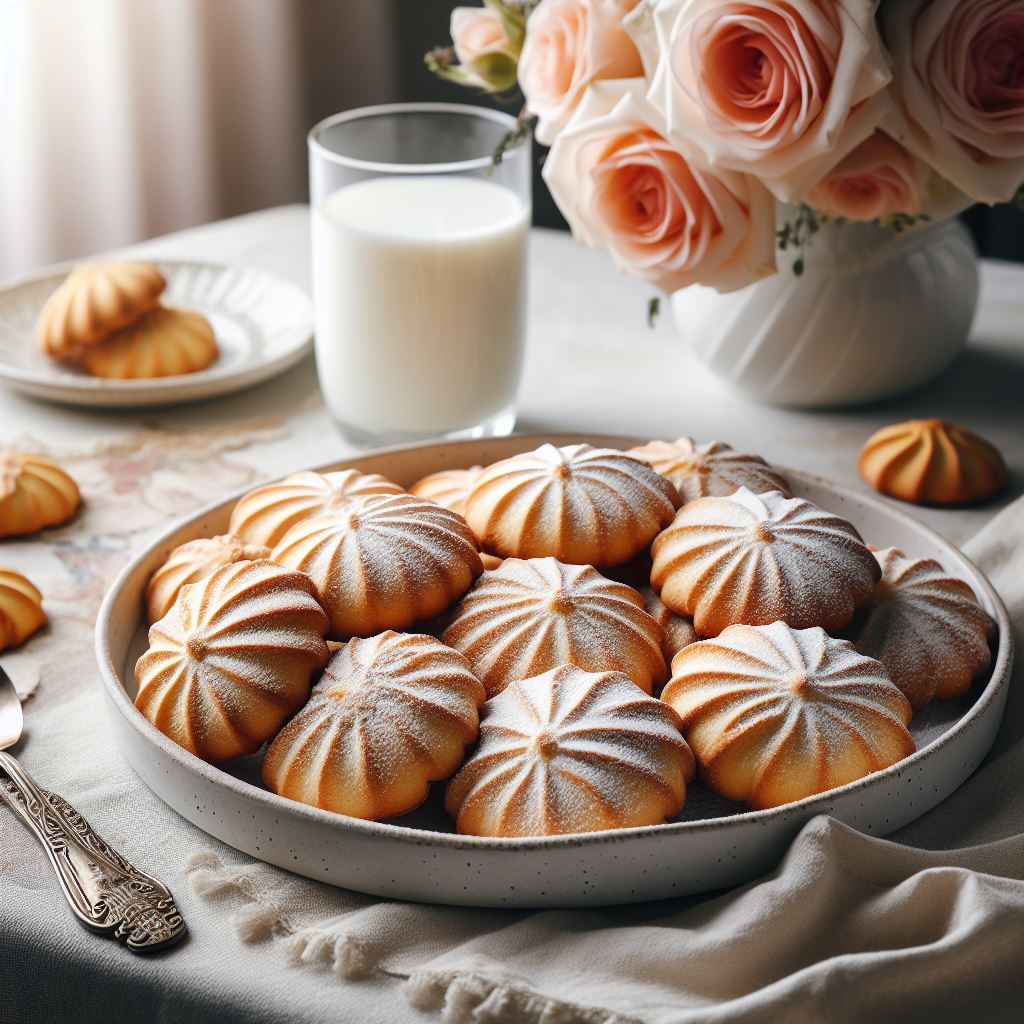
[419,270]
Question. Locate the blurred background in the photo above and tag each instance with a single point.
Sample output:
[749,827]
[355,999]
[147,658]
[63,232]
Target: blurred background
[124,119]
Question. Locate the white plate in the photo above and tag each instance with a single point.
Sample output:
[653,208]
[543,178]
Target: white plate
[263,325]
[417,857]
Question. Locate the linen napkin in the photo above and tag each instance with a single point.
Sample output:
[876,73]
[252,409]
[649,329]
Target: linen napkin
[927,924]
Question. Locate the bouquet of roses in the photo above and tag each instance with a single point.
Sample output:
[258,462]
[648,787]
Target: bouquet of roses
[678,127]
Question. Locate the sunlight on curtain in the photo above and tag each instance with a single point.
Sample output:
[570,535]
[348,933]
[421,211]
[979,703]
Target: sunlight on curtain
[123,119]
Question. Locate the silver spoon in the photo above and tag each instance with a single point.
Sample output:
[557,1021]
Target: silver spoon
[106,893]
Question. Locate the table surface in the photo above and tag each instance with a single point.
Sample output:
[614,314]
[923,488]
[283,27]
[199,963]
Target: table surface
[592,365]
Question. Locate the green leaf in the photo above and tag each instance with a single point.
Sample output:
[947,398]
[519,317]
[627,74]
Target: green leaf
[513,20]
[798,232]
[653,310]
[497,70]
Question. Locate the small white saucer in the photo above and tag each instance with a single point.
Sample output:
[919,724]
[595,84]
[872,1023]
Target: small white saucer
[262,322]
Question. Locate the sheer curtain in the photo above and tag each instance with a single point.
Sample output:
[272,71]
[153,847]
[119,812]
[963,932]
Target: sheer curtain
[122,119]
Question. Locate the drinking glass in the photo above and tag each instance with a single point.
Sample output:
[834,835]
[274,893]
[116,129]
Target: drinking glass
[419,269]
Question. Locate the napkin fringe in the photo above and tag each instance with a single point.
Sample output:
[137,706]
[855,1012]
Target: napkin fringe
[459,996]
[345,955]
[256,922]
[209,877]
[261,918]
[471,998]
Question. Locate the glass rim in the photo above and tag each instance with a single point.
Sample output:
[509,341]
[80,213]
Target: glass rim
[358,113]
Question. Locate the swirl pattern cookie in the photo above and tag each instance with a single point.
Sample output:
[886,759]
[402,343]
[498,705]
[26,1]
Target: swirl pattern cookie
[449,487]
[677,629]
[265,515]
[194,561]
[34,493]
[530,616]
[758,558]
[390,715]
[162,343]
[932,462]
[589,506]
[94,301]
[776,714]
[926,627]
[571,751]
[232,659]
[21,608]
[713,469]
[383,563]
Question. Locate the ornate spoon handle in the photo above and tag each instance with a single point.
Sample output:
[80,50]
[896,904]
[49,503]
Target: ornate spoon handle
[106,893]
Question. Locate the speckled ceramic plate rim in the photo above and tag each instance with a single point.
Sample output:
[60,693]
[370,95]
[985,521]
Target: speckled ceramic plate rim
[208,383]
[110,675]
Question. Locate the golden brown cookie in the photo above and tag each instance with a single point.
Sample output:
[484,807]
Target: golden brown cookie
[588,506]
[932,462]
[232,659]
[713,469]
[385,562]
[21,608]
[194,561]
[571,751]
[265,515]
[678,629]
[530,616]
[926,627]
[93,301]
[390,715]
[776,714]
[449,487]
[164,342]
[758,558]
[34,493]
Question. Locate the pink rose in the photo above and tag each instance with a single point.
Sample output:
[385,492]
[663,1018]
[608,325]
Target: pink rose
[781,89]
[626,188]
[959,89]
[878,179]
[487,55]
[569,44]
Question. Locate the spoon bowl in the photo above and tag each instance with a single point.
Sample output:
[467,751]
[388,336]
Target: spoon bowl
[12,721]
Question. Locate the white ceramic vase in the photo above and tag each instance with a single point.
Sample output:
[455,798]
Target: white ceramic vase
[872,316]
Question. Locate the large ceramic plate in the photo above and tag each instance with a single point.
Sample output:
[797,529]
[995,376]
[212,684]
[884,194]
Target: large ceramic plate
[417,857]
[263,325]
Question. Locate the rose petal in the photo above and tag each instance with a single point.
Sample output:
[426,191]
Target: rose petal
[628,188]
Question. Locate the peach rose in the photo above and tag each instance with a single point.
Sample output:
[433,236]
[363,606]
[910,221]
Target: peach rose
[569,44]
[626,188]
[878,179]
[783,89]
[959,90]
[487,55]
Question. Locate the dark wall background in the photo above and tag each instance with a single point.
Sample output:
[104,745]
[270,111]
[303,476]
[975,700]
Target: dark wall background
[420,25]
[423,24]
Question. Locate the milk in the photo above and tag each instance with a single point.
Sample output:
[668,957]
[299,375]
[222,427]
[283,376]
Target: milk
[419,287]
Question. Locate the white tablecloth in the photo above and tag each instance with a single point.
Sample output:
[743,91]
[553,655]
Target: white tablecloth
[592,365]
